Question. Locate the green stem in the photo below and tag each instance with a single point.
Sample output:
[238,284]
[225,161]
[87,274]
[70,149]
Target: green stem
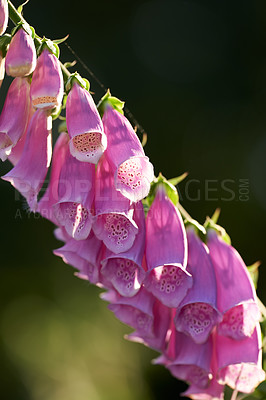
[17,18]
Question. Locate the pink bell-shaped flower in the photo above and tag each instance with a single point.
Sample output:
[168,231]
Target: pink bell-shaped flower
[136,311]
[84,125]
[133,171]
[188,360]
[29,173]
[83,255]
[124,270]
[239,361]
[236,295]
[15,115]
[75,194]
[3,16]
[21,55]
[197,314]
[166,251]
[2,68]
[114,223]
[47,86]
[50,197]
[157,336]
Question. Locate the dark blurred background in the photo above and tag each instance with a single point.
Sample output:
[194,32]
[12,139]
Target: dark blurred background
[193,73]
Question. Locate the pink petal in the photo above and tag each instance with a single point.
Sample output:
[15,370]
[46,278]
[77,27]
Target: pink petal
[21,55]
[15,115]
[84,124]
[29,173]
[47,86]
[197,314]
[133,171]
[125,270]
[234,289]
[50,197]
[239,361]
[166,252]
[73,209]
[3,16]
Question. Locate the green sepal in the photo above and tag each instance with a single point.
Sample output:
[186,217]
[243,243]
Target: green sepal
[210,224]
[62,127]
[76,78]
[59,41]
[178,179]
[114,102]
[4,43]
[170,190]
[27,28]
[48,44]
[200,230]
[56,111]
[254,272]
[70,64]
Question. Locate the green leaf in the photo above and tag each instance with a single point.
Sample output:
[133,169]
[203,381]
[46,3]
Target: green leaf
[4,43]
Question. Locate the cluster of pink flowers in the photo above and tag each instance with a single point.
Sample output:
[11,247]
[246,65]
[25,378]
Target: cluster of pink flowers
[192,302]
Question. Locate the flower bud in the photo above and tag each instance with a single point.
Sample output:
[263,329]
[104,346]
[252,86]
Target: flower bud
[3,16]
[47,86]
[21,55]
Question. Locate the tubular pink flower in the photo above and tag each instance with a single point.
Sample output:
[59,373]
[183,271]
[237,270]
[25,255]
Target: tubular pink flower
[136,311]
[15,115]
[3,16]
[188,360]
[197,314]
[50,197]
[157,337]
[239,361]
[124,271]
[236,296]
[73,209]
[166,252]
[133,171]
[84,125]
[2,68]
[21,55]
[114,223]
[83,255]
[29,173]
[47,86]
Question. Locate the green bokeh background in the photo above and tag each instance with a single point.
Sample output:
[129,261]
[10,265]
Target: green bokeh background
[193,73]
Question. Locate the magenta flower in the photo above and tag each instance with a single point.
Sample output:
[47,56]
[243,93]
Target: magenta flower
[29,173]
[236,296]
[192,362]
[84,125]
[197,314]
[133,171]
[124,270]
[157,336]
[136,311]
[50,197]
[3,16]
[21,55]
[73,209]
[166,251]
[83,255]
[114,223]
[239,361]
[47,86]
[15,115]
